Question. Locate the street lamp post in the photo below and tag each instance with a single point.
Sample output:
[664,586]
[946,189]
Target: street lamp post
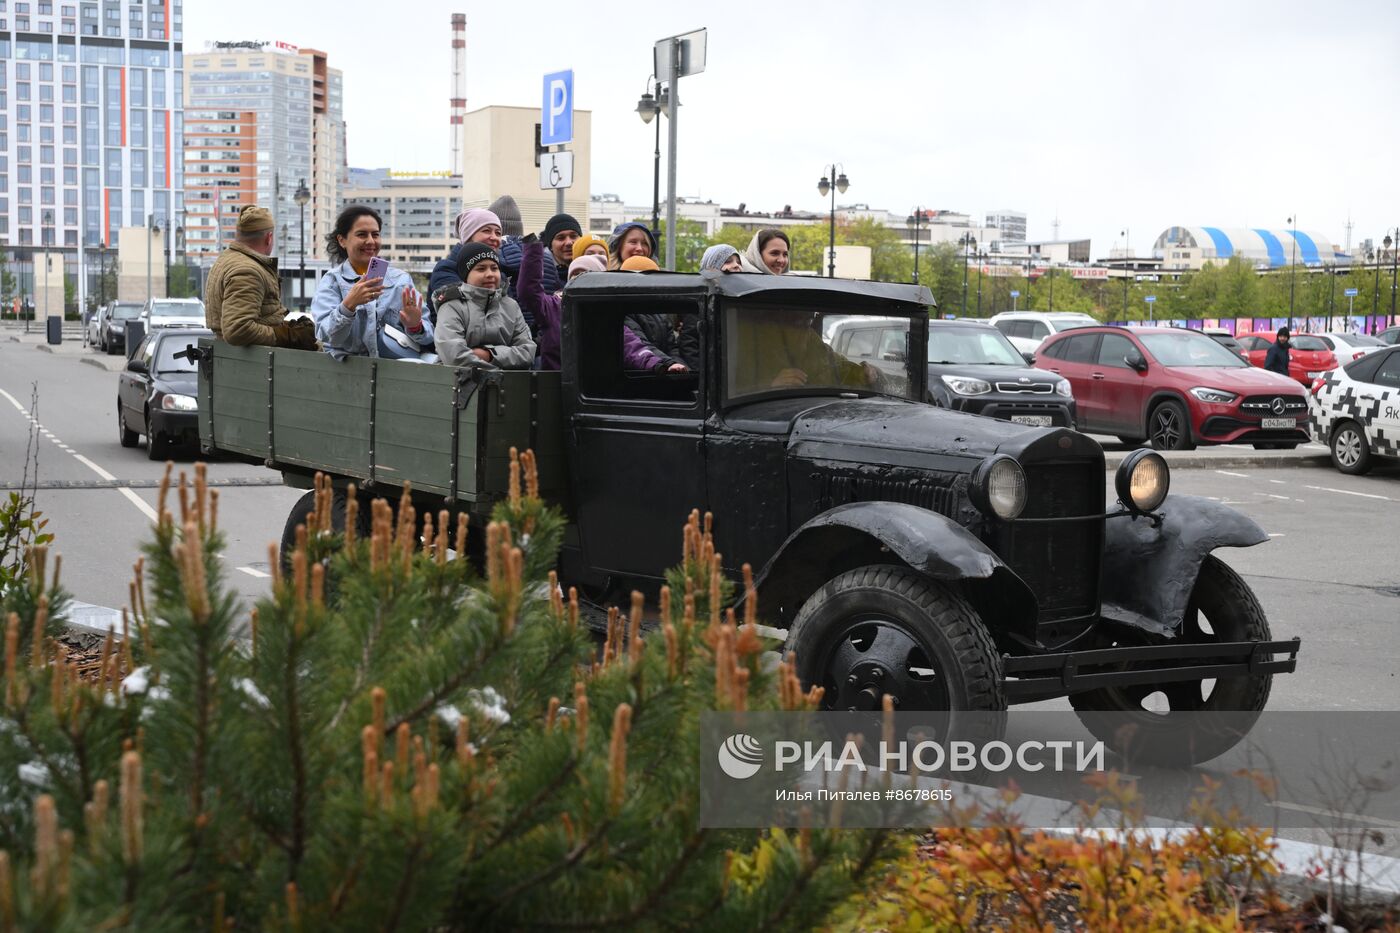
[302,196]
[150,228]
[916,219]
[1292,270]
[102,272]
[1376,285]
[981,262]
[1127,270]
[834,184]
[1393,270]
[968,241]
[648,108]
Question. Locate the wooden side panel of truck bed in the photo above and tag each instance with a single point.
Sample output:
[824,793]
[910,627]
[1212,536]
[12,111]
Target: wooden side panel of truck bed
[381,422]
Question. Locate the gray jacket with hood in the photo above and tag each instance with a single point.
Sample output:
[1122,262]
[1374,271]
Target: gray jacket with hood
[469,316]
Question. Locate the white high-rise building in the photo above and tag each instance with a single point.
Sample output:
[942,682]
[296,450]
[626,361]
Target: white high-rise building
[1012,225]
[91,104]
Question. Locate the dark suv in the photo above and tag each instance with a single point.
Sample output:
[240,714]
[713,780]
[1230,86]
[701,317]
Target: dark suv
[972,367]
[1175,387]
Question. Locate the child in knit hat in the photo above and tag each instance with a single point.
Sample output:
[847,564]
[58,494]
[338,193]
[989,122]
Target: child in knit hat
[478,324]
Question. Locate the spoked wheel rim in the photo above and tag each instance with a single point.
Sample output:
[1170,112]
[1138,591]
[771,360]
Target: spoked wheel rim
[872,656]
[1166,427]
[1347,447]
[1181,696]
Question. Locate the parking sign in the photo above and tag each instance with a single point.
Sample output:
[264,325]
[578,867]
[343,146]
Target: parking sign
[557,109]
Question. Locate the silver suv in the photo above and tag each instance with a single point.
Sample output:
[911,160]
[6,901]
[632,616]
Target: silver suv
[1026,329]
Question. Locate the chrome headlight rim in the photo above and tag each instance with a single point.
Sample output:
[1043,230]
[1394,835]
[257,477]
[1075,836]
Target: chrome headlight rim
[980,487]
[1123,481]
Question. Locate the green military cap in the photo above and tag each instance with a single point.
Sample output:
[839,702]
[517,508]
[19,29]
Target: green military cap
[254,219]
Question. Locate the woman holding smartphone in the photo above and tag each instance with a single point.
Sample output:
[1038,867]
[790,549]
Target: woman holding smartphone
[364,306]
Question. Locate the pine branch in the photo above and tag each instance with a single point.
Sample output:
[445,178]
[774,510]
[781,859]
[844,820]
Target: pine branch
[405,886]
[653,901]
[361,669]
[444,690]
[297,848]
[510,829]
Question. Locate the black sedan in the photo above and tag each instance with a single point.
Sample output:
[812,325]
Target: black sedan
[112,335]
[156,392]
[974,368]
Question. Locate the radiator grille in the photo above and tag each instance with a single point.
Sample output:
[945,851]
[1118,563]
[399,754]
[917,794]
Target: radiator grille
[1059,560]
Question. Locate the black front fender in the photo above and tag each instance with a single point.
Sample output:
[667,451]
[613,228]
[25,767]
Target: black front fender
[862,533]
[1149,572]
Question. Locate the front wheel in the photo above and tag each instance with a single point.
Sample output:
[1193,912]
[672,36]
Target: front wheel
[1145,722]
[126,437]
[885,629]
[1169,428]
[301,513]
[1350,452]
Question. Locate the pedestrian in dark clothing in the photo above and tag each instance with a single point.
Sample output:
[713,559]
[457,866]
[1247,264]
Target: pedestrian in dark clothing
[1277,358]
[473,225]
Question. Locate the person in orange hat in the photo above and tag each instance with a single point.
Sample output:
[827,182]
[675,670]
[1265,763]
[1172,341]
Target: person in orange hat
[590,245]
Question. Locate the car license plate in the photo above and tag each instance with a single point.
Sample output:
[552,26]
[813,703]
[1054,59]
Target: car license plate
[1317,375]
[1039,421]
[1278,424]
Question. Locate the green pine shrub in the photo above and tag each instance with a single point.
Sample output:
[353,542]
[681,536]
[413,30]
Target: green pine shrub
[391,741]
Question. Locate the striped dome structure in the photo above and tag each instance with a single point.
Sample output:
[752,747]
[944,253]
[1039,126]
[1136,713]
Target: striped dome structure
[1271,248]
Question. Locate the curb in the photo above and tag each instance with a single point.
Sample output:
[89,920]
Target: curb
[43,348]
[94,361]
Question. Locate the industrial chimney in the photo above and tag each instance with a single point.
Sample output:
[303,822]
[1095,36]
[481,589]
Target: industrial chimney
[459,88]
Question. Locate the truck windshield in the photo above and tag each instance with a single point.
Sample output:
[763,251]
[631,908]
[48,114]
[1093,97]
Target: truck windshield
[772,348]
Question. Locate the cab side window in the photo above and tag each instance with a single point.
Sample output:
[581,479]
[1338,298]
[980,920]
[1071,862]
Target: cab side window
[616,365]
[1113,348]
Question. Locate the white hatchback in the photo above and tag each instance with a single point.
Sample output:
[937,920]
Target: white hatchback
[1026,329]
[1356,410]
[1348,347]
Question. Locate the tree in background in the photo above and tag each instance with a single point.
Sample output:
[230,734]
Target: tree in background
[9,286]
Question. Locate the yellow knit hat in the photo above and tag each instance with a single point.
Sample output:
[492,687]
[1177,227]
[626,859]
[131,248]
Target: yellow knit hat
[582,243]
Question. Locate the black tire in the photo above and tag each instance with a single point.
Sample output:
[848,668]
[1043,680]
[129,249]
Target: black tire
[157,446]
[1169,428]
[885,629]
[1233,613]
[126,437]
[302,510]
[1350,452]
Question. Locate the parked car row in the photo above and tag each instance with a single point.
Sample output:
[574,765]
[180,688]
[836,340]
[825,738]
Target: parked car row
[1356,410]
[106,328]
[157,389]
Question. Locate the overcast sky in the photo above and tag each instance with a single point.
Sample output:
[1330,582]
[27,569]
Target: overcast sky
[1108,115]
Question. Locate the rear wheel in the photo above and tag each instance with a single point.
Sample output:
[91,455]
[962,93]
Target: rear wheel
[1144,723]
[1276,445]
[126,437]
[1350,452]
[1168,427]
[301,512]
[157,445]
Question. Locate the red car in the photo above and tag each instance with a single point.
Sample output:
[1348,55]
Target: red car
[1308,356]
[1175,387]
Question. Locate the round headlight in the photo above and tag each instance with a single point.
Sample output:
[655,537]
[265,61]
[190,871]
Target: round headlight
[998,487]
[1142,481]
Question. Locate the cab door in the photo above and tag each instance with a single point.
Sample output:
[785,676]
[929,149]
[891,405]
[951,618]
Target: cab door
[636,442]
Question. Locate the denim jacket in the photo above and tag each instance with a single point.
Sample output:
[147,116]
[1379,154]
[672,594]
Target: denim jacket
[357,334]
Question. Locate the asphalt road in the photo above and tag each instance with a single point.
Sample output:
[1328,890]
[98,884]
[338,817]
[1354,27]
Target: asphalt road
[1330,574]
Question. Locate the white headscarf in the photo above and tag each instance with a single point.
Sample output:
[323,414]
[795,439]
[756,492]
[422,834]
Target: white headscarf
[752,258]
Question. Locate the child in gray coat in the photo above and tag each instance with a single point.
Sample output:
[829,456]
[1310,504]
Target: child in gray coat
[476,321]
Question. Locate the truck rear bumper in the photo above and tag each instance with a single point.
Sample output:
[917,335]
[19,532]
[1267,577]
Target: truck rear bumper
[1029,678]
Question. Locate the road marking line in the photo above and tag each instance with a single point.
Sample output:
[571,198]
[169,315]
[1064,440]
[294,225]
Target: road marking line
[1272,496]
[1276,482]
[1228,473]
[133,497]
[1276,534]
[1334,814]
[1348,492]
[253,572]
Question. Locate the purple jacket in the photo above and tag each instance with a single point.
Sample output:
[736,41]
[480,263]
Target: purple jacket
[546,308]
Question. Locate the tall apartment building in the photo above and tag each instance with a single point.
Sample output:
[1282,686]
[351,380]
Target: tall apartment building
[91,104]
[297,136]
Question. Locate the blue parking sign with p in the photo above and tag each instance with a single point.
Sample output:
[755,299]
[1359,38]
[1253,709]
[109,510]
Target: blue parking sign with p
[557,109]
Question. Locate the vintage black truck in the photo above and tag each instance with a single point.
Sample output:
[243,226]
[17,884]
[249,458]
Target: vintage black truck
[951,561]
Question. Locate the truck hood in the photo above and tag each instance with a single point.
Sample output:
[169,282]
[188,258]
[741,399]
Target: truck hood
[856,429]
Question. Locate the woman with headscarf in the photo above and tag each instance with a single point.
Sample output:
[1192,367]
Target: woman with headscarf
[721,258]
[473,225]
[768,252]
[628,240]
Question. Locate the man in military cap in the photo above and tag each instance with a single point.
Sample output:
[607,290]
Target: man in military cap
[242,298]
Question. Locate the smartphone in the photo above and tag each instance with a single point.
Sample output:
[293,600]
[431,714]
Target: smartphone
[378,268]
